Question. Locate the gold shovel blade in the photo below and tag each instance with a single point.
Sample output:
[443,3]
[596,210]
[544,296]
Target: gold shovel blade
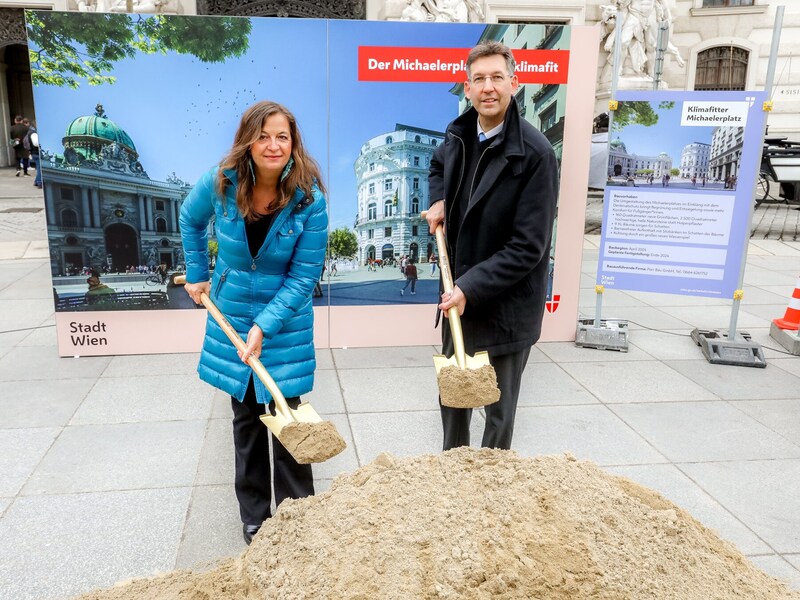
[481,359]
[304,413]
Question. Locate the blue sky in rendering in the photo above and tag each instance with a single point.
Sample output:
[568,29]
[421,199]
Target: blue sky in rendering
[362,110]
[665,136]
[182,113]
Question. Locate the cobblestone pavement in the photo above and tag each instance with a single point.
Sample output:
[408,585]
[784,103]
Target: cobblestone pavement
[771,221]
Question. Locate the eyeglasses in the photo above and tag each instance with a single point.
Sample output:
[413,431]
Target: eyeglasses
[496,79]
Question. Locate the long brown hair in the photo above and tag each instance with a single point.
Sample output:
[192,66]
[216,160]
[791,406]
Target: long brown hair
[304,173]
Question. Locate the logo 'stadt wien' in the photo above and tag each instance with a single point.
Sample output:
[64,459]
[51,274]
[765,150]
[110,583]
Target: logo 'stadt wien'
[448,65]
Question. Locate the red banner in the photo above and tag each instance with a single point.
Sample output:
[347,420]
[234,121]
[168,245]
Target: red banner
[448,65]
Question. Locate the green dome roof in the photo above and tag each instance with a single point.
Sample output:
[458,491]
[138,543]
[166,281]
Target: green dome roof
[88,135]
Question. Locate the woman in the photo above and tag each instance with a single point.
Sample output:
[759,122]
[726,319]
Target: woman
[271,227]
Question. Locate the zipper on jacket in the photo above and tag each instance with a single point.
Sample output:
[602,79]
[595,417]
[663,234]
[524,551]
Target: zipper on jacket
[222,279]
[458,189]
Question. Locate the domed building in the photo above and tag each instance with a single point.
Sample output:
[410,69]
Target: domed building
[103,210]
[392,178]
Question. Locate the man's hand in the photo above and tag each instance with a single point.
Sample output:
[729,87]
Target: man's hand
[195,289]
[454,298]
[435,215]
[254,339]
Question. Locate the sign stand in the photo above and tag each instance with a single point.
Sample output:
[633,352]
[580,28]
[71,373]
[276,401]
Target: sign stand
[598,333]
[729,347]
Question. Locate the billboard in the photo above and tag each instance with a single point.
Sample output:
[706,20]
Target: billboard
[681,173]
[125,138]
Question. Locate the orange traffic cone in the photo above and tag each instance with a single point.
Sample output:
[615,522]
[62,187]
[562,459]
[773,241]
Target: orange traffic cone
[791,320]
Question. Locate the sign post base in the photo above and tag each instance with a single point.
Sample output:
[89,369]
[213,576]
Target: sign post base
[612,334]
[719,350]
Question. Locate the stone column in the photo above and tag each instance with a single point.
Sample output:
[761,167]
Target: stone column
[50,205]
[87,215]
[142,213]
[7,152]
[94,199]
[176,215]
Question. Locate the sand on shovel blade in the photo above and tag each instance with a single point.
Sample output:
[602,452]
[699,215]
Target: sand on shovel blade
[312,442]
[468,388]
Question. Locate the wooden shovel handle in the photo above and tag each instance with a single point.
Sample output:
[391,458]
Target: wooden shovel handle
[258,368]
[453,318]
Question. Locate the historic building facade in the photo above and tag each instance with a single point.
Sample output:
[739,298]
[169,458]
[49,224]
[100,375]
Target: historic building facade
[694,160]
[725,44]
[726,149]
[103,210]
[392,186]
[623,164]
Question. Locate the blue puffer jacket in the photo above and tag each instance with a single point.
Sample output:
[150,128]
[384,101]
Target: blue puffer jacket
[272,290]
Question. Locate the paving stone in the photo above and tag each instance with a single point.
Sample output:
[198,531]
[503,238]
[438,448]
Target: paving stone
[389,390]
[705,431]
[89,458]
[566,352]
[781,416]
[588,432]
[213,528]
[646,381]
[20,452]
[760,493]
[40,403]
[739,383]
[137,365]
[548,384]
[145,398]
[373,358]
[58,546]
[32,364]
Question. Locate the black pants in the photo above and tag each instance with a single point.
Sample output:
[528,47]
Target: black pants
[499,416]
[23,164]
[252,481]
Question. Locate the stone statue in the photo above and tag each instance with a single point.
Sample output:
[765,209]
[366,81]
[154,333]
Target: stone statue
[638,38]
[443,11]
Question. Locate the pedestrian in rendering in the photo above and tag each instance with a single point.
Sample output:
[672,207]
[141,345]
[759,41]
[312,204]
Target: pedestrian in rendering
[22,156]
[411,277]
[494,186]
[268,202]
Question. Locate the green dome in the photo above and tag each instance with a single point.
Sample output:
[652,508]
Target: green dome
[89,134]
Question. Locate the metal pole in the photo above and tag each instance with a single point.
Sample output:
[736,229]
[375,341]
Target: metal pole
[661,45]
[616,67]
[773,59]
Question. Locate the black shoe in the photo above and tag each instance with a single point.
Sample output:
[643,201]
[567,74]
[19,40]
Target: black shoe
[248,531]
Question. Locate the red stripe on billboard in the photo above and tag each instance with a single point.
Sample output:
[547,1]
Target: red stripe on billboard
[448,65]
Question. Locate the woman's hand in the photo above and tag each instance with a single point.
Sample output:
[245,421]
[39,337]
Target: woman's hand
[254,339]
[195,289]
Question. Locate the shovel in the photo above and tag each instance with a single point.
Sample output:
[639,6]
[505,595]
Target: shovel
[301,430]
[464,381]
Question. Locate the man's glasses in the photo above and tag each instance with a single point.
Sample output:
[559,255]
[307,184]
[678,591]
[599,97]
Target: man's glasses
[496,79]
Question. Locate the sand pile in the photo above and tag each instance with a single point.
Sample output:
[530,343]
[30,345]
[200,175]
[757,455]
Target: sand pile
[478,524]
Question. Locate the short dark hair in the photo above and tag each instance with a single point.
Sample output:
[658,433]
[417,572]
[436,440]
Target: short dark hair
[491,48]
[18,119]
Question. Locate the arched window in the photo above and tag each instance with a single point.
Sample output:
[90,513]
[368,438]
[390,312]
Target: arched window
[372,211]
[388,139]
[721,68]
[414,206]
[433,142]
[387,208]
[417,139]
[161,225]
[69,218]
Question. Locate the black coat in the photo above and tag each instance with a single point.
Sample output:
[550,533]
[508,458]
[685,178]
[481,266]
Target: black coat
[502,249]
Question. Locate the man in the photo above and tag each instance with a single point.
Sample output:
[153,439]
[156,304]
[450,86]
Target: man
[497,201]
[18,133]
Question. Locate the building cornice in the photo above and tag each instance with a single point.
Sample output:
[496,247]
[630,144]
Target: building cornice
[728,11]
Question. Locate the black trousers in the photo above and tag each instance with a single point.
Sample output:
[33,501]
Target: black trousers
[499,416]
[253,469]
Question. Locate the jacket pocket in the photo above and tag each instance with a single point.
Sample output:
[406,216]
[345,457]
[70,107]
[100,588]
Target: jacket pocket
[221,282]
